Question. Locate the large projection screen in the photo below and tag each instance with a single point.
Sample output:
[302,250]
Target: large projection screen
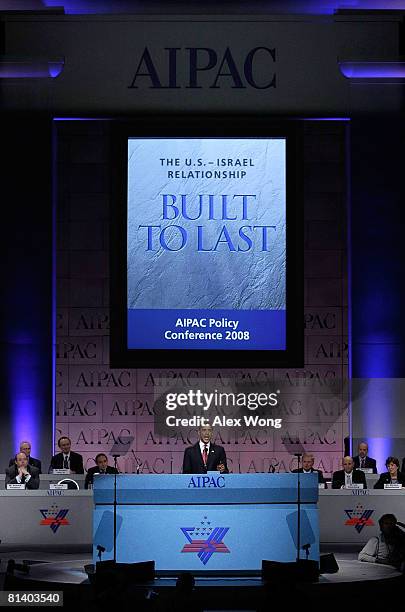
[206,259]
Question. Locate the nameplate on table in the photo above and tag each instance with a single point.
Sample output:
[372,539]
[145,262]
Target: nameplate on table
[61,471]
[366,470]
[57,486]
[393,485]
[355,485]
[15,486]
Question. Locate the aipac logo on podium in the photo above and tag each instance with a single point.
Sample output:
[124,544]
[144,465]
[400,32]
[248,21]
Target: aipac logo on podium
[211,543]
[54,517]
[359,518]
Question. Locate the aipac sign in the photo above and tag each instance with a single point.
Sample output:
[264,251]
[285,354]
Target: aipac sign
[206,482]
[206,68]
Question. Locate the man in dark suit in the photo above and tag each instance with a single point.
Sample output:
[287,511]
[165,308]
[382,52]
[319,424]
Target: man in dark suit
[101,467]
[67,459]
[348,476]
[22,473]
[25,447]
[204,456]
[362,460]
[308,467]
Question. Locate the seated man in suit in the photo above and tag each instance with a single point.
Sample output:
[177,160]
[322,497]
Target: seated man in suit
[25,447]
[101,467]
[22,473]
[204,456]
[308,467]
[388,548]
[393,476]
[67,459]
[348,476]
[362,460]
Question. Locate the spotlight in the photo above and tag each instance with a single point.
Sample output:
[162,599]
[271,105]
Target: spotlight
[90,570]
[19,567]
[185,582]
[290,573]
[328,564]
[129,572]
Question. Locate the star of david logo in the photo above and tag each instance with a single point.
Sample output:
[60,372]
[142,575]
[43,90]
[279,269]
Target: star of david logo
[359,518]
[54,517]
[205,540]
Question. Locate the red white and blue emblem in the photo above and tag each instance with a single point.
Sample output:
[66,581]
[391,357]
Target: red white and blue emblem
[210,543]
[54,517]
[359,518]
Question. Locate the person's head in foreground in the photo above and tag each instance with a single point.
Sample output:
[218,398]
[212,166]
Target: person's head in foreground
[388,525]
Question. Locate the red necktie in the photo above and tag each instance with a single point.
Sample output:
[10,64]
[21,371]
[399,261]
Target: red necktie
[205,455]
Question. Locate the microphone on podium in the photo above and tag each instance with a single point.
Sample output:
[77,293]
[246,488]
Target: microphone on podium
[272,467]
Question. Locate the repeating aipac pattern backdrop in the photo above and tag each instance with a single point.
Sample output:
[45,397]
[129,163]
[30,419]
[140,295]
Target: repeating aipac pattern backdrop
[97,406]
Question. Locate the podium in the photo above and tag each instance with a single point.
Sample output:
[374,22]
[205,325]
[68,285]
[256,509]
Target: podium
[206,522]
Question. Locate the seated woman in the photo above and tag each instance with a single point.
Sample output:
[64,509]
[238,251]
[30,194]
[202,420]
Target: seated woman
[393,475]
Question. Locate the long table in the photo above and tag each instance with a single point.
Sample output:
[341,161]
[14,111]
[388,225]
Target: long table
[46,479]
[351,516]
[345,517]
[371,479]
[46,519]
[227,522]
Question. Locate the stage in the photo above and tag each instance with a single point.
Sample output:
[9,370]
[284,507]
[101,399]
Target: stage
[67,573]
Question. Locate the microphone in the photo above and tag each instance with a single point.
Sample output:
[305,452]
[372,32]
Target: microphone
[272,467]
[138,465]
